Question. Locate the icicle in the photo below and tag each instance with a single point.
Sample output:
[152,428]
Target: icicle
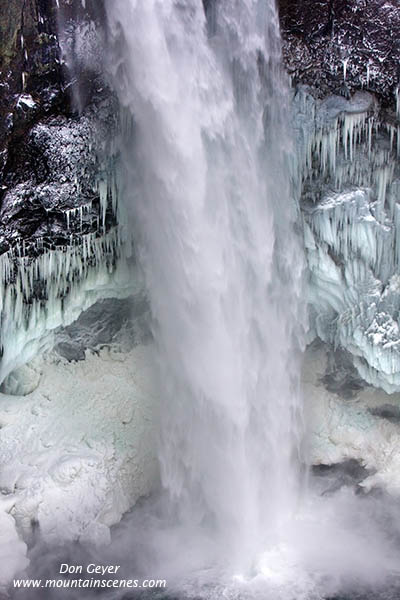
[114,195]
[383,178]
[344,63]
[392,131]
[78,211]
[398,141]
[370,127]
[353,125]
[103,192]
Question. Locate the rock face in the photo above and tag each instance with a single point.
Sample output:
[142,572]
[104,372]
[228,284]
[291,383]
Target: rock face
[61,173]
[340,46]
[48,152]
[61,248]
[32,82]
[58,202]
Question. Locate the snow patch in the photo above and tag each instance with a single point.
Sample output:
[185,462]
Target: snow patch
[25,100]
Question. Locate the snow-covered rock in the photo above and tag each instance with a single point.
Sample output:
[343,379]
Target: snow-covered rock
[342,46]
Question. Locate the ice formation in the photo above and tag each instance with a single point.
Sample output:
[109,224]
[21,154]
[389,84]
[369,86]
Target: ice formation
[350,204]
[79,252]
[40,294]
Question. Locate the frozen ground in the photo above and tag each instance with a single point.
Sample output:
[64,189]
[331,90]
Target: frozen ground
[79,450]
[76,453]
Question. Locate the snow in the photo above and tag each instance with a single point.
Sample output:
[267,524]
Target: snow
[77,452]
[25,100]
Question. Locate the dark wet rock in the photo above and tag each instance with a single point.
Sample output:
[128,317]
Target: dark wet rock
[322,38]
[30,68]
[341,376]
[121,323]
[60,163]
[49,154]
[390,412]
[82,41]
[349,473]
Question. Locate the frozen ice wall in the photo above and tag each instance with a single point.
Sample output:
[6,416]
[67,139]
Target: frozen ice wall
[78,251]
[351,213]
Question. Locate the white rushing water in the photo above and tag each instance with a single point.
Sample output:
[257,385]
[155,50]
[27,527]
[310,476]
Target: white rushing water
[208,184]
[210,190]
[207,191]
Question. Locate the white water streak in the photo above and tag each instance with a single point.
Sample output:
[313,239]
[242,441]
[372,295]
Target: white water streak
[208,183]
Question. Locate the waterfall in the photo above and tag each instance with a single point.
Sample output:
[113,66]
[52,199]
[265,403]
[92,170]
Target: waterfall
[206,158]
